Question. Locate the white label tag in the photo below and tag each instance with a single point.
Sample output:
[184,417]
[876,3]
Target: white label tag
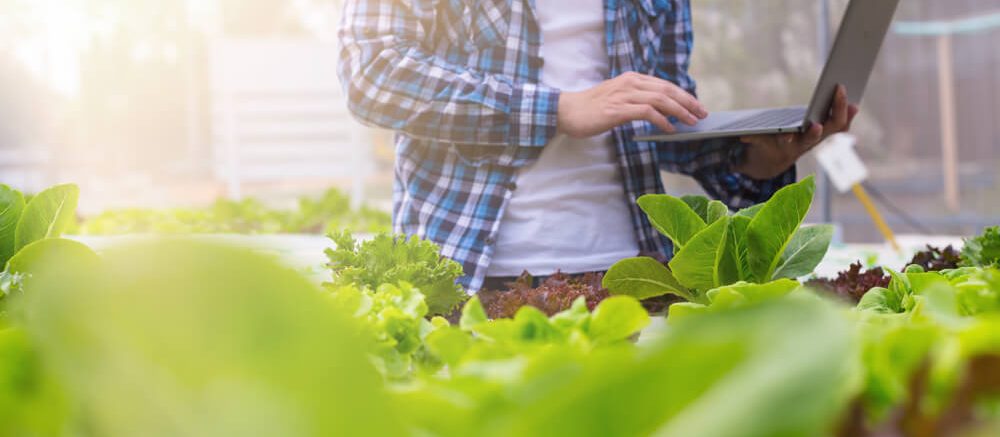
[841,162]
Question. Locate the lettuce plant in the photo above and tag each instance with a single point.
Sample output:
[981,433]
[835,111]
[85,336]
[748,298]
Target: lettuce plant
[31,229]
[713,248]
[984,250]
[391,259]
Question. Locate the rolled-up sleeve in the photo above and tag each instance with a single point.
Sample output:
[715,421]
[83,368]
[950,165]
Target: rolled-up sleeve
[392,81]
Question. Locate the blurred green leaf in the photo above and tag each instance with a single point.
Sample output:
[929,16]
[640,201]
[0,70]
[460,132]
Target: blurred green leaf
[185,338]
[11,206]
[616,318]
[47,215]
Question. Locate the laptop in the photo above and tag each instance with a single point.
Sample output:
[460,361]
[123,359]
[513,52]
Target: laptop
[850,63]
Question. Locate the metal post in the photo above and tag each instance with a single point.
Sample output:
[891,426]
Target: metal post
[825,187]
[949,123]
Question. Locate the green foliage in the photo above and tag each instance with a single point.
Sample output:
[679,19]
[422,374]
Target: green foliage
[712,249]
[30,400]
[984,250]
[745,366]
[47,215]
[965,292]
[733,296]
[30,230]
[394,318]
[184,338]
[388,259]
[11,207]
[330,212]
[643,278]
[31,259]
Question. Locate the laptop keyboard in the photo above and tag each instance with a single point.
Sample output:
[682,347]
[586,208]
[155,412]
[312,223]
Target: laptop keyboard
[768,119]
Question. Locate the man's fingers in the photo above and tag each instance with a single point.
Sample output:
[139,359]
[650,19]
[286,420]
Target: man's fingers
[813,135]
[852,112]
[650,114]
[684,98]
[838,113]
[666,106]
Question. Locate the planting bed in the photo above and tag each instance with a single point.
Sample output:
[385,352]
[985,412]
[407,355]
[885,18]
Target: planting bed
[307,335]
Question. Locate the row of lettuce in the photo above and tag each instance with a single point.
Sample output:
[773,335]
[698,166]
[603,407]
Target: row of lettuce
[180,337]
[331,211]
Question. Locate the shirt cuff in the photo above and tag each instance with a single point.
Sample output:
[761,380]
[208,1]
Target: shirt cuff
[534,115]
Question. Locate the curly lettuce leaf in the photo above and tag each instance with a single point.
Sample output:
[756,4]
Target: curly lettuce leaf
[389,259]
[984,250]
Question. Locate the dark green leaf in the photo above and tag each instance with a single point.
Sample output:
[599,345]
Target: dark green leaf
[698,204]
[804,252]
[773,227]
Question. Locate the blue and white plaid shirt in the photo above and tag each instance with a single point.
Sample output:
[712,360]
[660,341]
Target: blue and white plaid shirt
[459,81]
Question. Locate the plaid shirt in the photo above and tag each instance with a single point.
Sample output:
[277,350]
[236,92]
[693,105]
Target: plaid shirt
[459,81]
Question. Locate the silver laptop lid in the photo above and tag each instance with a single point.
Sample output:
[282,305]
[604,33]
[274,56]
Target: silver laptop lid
[853,56]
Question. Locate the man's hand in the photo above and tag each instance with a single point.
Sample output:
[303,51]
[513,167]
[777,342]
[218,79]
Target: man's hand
[771,155]
[626,98]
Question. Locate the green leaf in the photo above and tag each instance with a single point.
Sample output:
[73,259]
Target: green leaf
[392,259]
[205,328]
[878,300]
[616,319]
[984,250]
[733,266]
[696,265]
[11,206]
[750,212]
[672,217]
[642,278]
[33,257]
[773,227]
[737,295]
[449,344]
[47,215]
[716,211]
[698,204]
[682,311]
[473,314]
[709,211]
[804,252]
[751,293]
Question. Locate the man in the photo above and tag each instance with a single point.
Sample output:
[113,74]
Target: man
[515,121]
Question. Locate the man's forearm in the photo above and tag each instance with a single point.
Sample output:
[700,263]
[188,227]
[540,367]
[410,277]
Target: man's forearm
[393,83]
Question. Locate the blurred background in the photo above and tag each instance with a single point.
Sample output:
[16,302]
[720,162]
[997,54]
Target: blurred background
[163,103]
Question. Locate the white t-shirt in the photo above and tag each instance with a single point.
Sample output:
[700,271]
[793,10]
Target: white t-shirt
[569,209]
